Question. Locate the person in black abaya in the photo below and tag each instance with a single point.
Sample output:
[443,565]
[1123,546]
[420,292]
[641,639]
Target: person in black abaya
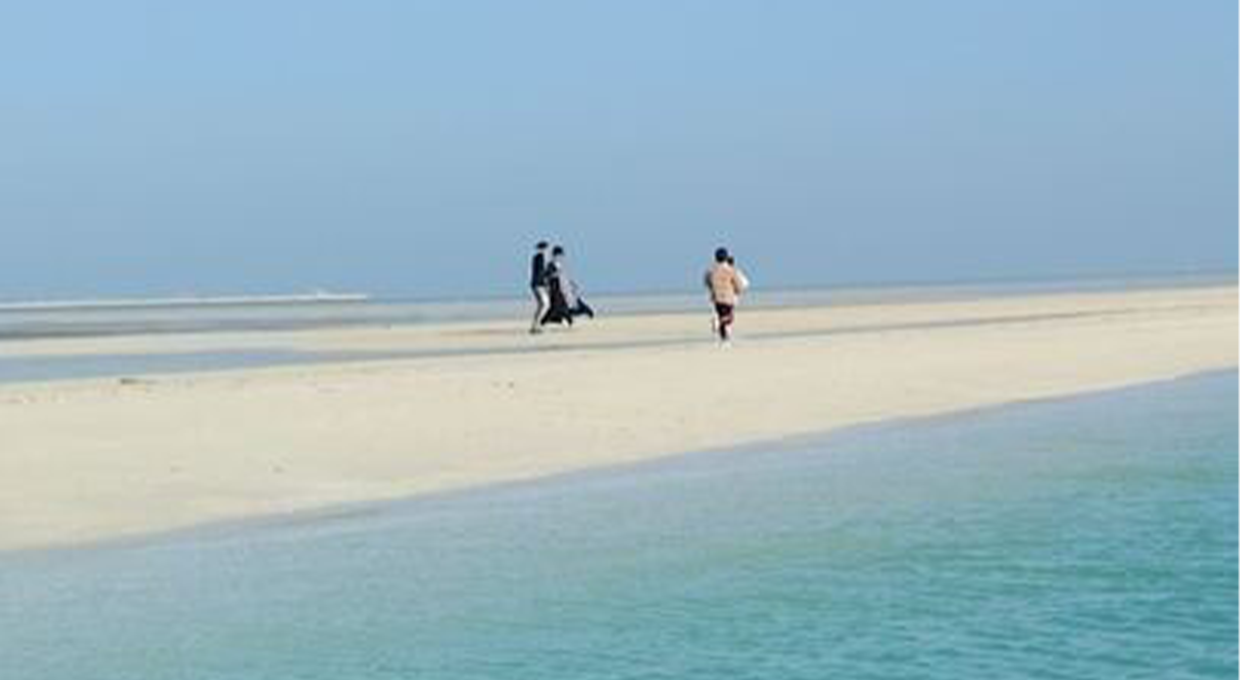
[566,301]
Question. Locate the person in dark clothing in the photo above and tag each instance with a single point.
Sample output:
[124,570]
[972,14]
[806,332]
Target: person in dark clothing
[538,285]
[566,301]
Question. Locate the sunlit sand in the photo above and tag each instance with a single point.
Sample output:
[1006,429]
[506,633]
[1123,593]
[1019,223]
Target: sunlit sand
[484,403]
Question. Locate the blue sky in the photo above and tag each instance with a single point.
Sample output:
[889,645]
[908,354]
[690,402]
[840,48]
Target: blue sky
[418,148]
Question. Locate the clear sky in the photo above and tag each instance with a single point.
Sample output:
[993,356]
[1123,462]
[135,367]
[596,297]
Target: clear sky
[410,147]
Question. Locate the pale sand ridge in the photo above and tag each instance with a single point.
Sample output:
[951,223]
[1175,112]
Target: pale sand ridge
[86,460]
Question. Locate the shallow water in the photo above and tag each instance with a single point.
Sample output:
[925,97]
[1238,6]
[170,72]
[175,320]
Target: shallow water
[20,323]
[31,321]
[1087,538]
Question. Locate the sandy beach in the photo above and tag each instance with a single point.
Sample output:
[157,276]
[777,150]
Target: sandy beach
[478,403]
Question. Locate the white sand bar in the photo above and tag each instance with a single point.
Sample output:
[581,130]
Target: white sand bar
[96,459]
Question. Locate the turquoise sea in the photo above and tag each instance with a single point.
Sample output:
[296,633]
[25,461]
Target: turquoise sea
[1091,538]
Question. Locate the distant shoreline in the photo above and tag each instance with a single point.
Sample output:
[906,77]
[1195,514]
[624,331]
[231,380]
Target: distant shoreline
[188,301]
[26,322]
[1018,285]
